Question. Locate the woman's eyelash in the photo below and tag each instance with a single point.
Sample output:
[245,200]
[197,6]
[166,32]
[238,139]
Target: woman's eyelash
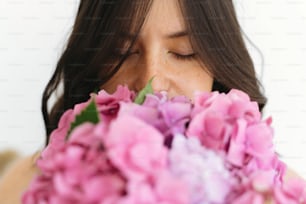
[184,57]
[177,56]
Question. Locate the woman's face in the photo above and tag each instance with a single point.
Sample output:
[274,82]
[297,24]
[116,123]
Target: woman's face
[163,50]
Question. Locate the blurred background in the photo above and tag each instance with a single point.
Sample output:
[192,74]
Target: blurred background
[33,34]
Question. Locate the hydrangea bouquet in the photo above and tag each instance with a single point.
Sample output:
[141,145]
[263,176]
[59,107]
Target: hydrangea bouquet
[150,149]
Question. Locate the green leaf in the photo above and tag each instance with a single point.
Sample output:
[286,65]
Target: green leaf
[146,90]
[89,114]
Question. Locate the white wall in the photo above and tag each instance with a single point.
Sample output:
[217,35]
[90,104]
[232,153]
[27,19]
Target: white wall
[33,34]
[278,29]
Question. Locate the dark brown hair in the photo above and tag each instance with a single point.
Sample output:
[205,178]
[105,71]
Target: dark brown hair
[88,60]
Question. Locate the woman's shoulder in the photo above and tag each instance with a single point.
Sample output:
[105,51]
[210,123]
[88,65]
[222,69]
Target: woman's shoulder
[291,174]
[17,177]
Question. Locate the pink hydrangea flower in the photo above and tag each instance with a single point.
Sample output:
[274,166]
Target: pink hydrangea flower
[108,104]
[293,191]
[135,147]
[260,187]
[139,154]
[172,113]
[168,116]
[235,104]
[160,189]
[211,128]
[231,123]
[254,141]
[57,137]
[79,172]
[204,171]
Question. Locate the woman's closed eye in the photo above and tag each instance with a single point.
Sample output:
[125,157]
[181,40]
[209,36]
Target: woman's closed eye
[184,57]
[176,55]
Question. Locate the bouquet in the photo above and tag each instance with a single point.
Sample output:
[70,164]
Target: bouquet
[150,149]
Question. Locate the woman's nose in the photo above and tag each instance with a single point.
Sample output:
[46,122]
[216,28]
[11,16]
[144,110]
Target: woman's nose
[149,68]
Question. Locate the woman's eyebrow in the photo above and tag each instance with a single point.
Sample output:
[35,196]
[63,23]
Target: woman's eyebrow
[178,34]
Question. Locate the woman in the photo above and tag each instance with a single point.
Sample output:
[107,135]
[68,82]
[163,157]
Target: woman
[187,45]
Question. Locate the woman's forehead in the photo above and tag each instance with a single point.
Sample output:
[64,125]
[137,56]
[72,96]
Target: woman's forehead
[164,18]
